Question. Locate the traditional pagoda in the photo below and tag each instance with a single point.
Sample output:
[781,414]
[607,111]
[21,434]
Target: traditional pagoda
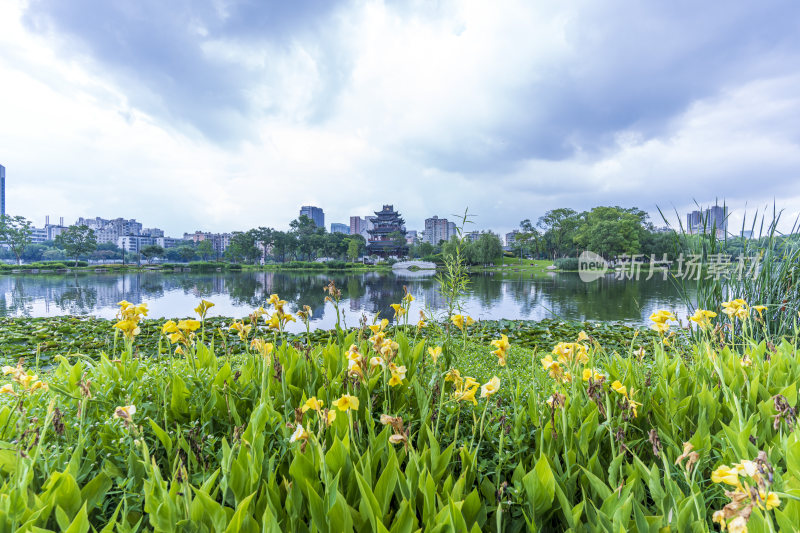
[381,243]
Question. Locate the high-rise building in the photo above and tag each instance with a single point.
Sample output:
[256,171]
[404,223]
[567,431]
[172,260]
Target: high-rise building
[438,229]
[2,190]
[511,237]
[340,228]
[314,213]
[361,226]
[712,219]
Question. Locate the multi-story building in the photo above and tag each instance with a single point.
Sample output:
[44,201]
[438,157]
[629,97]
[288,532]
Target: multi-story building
[169,242]
[38,235]
[411,236]
[340,228]
[511,238]
[219,241]
[2,190]
[387,222]
[110,230]
[153,232]
[472,236]
[438,230]
[134,243]
[314,213]
[712,219]
[361,226]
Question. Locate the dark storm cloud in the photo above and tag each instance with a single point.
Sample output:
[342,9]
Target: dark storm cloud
[153,49]
[635,66]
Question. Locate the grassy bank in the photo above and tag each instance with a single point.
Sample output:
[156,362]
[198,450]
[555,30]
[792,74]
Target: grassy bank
[56,267]
[386,429]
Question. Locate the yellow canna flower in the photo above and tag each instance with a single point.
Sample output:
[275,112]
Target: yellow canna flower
[299,434]
[331,416]
[593,374]
[702,318]
[273,299]
[398,374]
[466,394]
[125,413]
[264,348]
[491,387]
[312,403]
[468,321]
[169,327]
[203,308]
[408,298]
[128,327]
[760,309]
[454,375]
[571,352]
[242,329]
[377,361]
[189,325]
[582,336]
[737,308]
[662,316]
[8,388]
[435,353]
[179,350]
[771,500]
[619,388]
[458,321]
[399,310]
[39,385]
[501,344]
[375,328]
[727,475]
[346,402]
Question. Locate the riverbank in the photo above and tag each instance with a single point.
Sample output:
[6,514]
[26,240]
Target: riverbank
[198,266]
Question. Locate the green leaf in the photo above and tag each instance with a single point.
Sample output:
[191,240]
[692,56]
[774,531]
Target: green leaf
[539,486]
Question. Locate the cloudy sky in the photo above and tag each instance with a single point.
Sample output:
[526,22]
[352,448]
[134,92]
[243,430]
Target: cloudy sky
[229,114]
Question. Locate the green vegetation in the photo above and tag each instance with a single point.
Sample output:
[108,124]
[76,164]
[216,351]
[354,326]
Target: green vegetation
[588,432]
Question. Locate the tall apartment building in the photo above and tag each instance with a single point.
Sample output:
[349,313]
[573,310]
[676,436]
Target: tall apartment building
[511,238]
[340,228]
[219,241]
[314,213]
[713,218]
[361,226]
[2,190]
[438,229]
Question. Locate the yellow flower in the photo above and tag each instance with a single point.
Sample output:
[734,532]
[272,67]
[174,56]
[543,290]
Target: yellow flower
[242,329]
[39,385]
[719,518]
[169,327]
[571,352]
[760,309]
[128,327]
[435,353]
[377,361]
[396,438]
[273,322]
[179,350]
[125,413]
[702,318]
[264,348]
[660,327]
[299,434]
[203,308]
[491,387]
[408,298]
[593,374]
[662,316]
[466,394]
[736,309]
[398,374]
[458,321]
[189,325]
[582,336]
[619,388]
[312,403]
[331,416]
[468,321]
[727,475]
[771,500]
[375,328]
[399,310]
[555,370]
[501,346]
[305,314]
[746,361]
[273,299]
[346,402]
[8,388]
[455,376]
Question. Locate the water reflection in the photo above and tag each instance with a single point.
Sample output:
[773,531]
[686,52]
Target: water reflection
[491,296]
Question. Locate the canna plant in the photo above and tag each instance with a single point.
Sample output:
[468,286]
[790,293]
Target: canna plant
[376,431]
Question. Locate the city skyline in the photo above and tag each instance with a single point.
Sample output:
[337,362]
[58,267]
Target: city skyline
[222,118]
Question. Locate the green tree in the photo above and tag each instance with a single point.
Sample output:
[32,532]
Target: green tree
[77,241]
[559,226]
[306,235]
[187,253]
[242,248]
[152,251]
[266,238]
[352,250]
[205,250]
[488,248]
[15,231]
[611,231]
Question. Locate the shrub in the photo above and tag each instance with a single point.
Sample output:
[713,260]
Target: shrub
[567,263]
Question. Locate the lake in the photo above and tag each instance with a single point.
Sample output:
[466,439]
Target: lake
[491,295]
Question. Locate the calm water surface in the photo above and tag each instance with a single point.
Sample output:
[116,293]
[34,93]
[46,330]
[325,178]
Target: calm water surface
[491,296]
